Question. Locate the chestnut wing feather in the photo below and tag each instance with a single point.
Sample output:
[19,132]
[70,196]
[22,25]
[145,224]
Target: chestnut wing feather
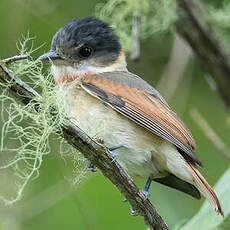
[145,108]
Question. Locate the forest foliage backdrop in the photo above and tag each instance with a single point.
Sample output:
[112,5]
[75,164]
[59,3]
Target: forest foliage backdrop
[166,62]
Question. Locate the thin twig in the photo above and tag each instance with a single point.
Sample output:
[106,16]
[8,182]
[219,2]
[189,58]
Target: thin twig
[194,26]
[14,58]
[209,132]
[96,153]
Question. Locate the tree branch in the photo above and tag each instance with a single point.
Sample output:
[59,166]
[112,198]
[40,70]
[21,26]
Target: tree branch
[194,27]
[96,153]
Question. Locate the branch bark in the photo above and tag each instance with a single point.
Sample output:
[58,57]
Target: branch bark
[193,25]
[96,153]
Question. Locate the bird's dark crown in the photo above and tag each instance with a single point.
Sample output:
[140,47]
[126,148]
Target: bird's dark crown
[88,32]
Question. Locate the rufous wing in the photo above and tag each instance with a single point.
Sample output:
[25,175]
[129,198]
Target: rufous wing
[144,106]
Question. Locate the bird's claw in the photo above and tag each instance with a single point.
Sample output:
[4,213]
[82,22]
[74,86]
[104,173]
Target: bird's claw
[146,193]
[133,212]
[91,168]
[114,154]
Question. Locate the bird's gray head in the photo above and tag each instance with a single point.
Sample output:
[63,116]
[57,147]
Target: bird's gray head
[85,43]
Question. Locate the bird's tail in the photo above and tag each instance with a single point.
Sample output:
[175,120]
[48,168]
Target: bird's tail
[203,186]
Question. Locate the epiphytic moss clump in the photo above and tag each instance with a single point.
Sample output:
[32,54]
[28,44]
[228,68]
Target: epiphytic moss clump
[220,17]
[155,16]
[26,129]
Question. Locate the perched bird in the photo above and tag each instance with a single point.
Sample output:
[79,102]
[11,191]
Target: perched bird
[111,104]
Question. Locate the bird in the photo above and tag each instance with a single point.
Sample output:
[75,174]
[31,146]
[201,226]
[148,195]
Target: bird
[123,111]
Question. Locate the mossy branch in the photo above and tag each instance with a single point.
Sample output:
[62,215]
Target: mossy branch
[193,25]
[96,153]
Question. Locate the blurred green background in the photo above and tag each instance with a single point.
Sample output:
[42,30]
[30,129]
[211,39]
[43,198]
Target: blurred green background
[50,201]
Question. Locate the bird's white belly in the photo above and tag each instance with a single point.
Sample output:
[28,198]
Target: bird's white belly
[139,156]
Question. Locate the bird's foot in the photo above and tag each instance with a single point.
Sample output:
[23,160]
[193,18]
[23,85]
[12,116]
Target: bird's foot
[146,193]
[125,200]
[114,154]
[91,168]
[133,212]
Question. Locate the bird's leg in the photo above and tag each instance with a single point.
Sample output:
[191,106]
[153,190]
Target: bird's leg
[112,148]
[145,190]
[115,147]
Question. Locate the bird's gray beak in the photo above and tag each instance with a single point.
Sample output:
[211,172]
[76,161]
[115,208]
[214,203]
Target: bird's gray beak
[49,56]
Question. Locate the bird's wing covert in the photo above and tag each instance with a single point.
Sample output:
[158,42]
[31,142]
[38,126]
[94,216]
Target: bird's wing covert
[137,100]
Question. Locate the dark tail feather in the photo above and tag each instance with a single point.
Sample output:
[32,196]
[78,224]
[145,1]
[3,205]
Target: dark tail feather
[176,183]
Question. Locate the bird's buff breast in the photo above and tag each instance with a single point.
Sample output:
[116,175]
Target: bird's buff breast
[100,121]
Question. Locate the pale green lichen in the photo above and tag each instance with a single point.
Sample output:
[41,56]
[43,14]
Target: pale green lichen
[156,17]
[220,17]
[30,128]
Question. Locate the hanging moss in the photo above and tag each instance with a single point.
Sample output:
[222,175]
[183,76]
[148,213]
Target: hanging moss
[155,16]
[31,127]
[220,17]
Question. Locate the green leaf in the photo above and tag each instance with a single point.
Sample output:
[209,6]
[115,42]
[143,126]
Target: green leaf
[206,218]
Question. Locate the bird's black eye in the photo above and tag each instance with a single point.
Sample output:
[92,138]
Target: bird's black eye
[85,51]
